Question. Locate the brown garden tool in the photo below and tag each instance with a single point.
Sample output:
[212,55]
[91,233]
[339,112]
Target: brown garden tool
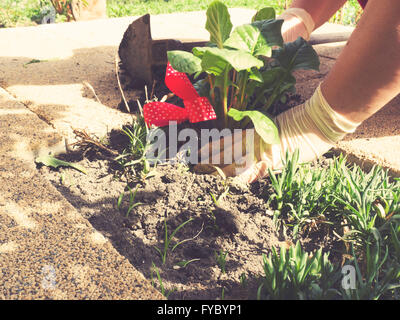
[139,53]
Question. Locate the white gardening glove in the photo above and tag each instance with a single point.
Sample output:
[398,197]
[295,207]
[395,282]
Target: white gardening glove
[313,128]
[297,23]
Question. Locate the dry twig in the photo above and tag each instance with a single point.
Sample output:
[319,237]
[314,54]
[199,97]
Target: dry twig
[119,85]
[85,141]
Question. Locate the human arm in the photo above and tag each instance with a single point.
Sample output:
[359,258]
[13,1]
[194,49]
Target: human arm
[304,16]
[365,77]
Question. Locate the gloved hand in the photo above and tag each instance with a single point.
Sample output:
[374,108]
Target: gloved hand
[297,23]
[313,128]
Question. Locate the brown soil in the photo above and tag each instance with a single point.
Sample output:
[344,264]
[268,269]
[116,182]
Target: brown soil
[240,224]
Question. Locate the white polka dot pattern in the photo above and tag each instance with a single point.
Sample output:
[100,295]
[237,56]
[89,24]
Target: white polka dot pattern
[196,109]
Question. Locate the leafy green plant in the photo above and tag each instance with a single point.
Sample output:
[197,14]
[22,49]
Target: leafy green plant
[21,12]
[284,183]
[134,155]
[364,203]
[380,275]
[368,200]
[168,239]
[294,274]
[51,161]
[244,73]
[301,192]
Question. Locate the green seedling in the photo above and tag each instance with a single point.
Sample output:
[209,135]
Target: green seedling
[119,201]
[221,260]
[50,161]
[132,200]
[217,200]
[244,75]
[134,155]
[168,239]
[184,263]
[243,280]
[223,293]
[283,183]
[214,221]
[164,292]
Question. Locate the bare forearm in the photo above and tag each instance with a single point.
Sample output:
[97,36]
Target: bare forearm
[367,74]
[320,10]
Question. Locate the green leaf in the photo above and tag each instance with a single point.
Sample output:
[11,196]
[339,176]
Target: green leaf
[250,39]
[287,84]
[50,161]
[183,61]
[199,51]
[271,75]
[263,125]
[238,59]
[271,31]
[33,61]
[202,87]
[218,23]
[264,14]
[297,55]
[256,75]
[213,63]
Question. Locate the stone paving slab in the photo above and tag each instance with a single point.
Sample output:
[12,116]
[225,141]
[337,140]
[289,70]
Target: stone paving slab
[47,249]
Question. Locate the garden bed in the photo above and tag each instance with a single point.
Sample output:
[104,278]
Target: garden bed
[239,225]
[220,233]
[223,229]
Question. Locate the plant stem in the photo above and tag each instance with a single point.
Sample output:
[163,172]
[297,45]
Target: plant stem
[271,100]
[243,84]
[243,79]
[212,93]
[225,91]
[233,91]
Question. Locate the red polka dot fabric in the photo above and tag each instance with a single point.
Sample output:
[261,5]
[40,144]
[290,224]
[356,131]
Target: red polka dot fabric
[196,109]
[161,113]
